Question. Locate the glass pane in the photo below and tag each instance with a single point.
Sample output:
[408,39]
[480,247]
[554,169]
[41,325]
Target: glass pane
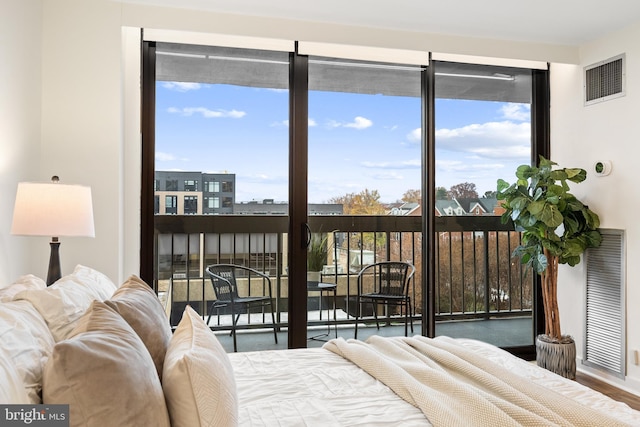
[222,145]
[364,160]
[222,125]
[483,132]
[364,134]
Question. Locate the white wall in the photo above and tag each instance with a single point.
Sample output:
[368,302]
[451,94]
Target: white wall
[82,118]
[20,88]
[606,131]
[89,102]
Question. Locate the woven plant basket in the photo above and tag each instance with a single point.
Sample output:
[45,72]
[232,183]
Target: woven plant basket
[558,356]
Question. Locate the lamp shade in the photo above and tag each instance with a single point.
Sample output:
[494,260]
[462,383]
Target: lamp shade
[52,209]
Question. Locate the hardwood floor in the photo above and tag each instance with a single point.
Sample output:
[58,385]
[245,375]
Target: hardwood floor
[615,393]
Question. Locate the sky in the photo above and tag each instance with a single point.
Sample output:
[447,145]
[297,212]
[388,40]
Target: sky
[356,141]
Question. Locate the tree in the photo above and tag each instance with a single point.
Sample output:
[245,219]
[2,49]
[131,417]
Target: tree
[412,196]
[363,203]
[442,193]
[556,227]
[490,194]
[465,190]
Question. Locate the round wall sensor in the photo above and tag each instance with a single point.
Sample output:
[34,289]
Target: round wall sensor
[602,167]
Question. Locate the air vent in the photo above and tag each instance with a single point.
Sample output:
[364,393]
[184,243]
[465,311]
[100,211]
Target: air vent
[604,80]
[605,312]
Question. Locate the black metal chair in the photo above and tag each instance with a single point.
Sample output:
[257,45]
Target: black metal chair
[224,280]
[387,283]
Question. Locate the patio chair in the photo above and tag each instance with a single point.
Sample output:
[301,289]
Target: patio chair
[224,280]
[385,283]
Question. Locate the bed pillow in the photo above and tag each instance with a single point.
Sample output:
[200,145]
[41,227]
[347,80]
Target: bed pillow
[13,390]
[24,283]
[105,374]
[27,342]
[138,304]
[198,381]
[96,282]
[60,306]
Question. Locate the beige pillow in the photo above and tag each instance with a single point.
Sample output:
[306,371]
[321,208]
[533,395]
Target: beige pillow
[23,283]
[27,342]
[105,374]
[138,304]
[198,381]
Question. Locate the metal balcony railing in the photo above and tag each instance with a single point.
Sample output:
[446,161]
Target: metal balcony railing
[475,276]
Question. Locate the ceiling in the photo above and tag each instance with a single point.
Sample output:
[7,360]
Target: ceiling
[560,22]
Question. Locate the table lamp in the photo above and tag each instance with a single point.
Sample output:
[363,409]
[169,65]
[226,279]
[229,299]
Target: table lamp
[53,209]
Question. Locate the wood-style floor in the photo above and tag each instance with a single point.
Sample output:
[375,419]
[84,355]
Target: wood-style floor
[615,393]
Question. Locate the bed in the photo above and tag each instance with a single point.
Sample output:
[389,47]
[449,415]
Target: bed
[336,386]
[59,341]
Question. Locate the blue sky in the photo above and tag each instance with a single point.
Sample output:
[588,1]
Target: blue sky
[356,141]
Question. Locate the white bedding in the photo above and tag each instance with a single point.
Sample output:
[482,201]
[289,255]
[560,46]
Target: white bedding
[315,387]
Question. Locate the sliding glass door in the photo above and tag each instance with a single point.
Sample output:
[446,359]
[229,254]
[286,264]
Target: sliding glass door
[221,155]
[483,132]
[250,156]
[365,149]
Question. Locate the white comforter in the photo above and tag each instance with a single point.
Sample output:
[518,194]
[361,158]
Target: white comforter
[315,387]
[456,387]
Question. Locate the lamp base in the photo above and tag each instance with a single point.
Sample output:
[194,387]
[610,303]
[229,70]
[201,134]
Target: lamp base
[54,272]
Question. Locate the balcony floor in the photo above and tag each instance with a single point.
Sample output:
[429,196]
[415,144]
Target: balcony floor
[503,332]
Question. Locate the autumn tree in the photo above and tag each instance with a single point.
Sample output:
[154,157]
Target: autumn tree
[412,196]
[363,203]
[465,190]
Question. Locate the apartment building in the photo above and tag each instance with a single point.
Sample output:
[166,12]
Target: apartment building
[193,193]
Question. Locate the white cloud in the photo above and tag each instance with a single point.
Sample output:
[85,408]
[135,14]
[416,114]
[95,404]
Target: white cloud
[415,135]
[488,140]
[406,164]
[387,176]
[285,123]
[181,86]
[358,123]
[168,157]
[207,113]
[164,157]
[460,166]
[518,112]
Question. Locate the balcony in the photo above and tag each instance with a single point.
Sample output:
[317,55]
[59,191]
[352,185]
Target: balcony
[479,290]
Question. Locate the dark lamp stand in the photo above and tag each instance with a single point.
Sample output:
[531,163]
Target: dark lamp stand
[55,272]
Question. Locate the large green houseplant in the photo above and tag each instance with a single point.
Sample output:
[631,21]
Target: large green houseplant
[556,229]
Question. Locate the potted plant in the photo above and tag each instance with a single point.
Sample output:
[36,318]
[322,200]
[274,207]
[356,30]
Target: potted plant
[556,229]
[317,256]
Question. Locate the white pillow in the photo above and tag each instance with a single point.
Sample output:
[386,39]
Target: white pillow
[60,306]
[197,379]
[98,285]
[13,390]
[26,282]
[26,340]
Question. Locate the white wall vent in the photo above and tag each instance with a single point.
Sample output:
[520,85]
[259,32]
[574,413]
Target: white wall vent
[604,80]
[604,344]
